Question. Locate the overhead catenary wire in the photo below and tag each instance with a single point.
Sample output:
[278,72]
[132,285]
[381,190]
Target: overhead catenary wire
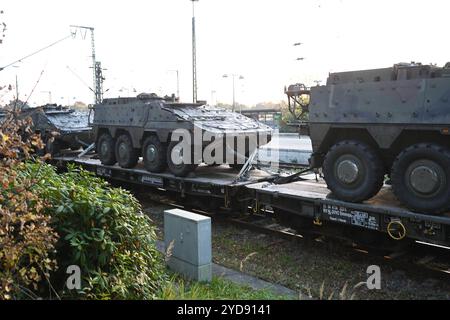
[35,85]
[36,52]
[79,78]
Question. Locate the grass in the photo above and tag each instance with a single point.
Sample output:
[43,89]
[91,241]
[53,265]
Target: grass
[218,289]
[315,269]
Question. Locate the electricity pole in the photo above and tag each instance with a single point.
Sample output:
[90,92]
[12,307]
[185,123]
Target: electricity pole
[96,68]
[17,85]
[234,76]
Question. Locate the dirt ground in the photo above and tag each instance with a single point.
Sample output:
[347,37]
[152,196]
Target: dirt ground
[316,269]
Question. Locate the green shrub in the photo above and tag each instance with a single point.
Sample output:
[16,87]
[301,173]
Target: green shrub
[90,224]
[103,231]
[26,239]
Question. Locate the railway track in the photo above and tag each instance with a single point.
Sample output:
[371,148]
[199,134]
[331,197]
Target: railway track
[412,256]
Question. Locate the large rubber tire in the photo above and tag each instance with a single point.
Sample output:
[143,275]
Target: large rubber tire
[179,170]
[424,162]
[346,182]
[105,149]
[127,156]
[154,153]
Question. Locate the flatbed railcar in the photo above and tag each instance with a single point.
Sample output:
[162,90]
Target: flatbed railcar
[381,219]
[213,186]
[307,204]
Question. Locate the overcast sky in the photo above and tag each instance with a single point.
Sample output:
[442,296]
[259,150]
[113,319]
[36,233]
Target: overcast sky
[139,41]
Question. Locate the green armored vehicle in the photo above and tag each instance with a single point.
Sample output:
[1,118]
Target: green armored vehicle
[146,126]
[395,121]
[60,127]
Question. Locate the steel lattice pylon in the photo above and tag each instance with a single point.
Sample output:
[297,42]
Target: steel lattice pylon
[96,69]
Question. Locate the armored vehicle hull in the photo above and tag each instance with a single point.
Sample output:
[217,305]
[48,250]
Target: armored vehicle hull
[127,128]
[395,121]
[60,127]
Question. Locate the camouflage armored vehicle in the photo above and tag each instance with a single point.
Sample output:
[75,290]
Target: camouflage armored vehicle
[60,127]
[395,121]
[127,128]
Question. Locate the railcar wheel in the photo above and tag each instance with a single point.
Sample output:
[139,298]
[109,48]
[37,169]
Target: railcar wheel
[353,171]
[105,149]
[154,153]
[175,155]
[421,178]
[127,156]
[293,221]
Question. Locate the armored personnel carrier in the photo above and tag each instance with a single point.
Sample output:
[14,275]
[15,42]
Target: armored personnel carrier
[127,128]
[395,121]
[60,127]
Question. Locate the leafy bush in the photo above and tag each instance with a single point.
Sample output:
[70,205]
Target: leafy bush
[26,239]
[49,220]
[101,232]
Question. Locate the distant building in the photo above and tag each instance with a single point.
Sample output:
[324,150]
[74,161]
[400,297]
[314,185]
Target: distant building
[270,117]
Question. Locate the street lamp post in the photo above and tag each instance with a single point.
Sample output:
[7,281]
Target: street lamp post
[297,44]
[68,100]
[213,94]
[17,85]
[233,76]
[194,55]
[178,83]
[49,96]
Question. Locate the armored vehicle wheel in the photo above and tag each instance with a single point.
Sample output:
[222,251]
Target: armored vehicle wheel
[127,156]
[105,149]
[182,169]
[154,153]
[421,178]
[353,171]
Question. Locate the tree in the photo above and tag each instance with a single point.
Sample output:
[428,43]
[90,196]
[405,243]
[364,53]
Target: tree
[79,105]
[2,27]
